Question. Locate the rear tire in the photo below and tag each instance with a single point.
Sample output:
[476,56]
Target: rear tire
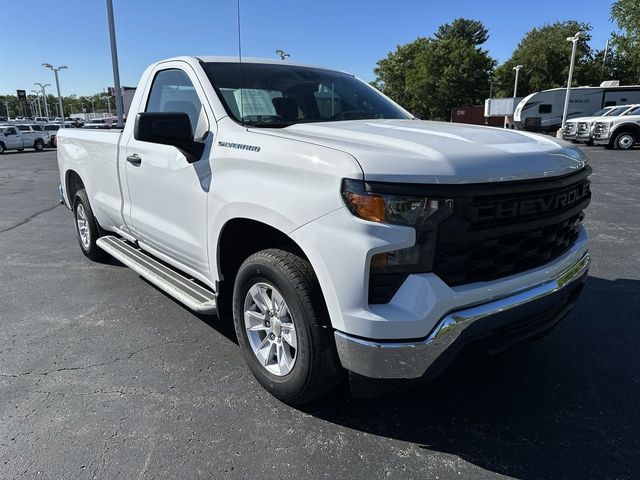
[38,146]
[87,229]
[625,141]
[288,283]
[1,148]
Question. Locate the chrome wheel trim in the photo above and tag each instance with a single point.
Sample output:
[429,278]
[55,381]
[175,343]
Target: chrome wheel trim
[270,329]
[83,226]
[626,141]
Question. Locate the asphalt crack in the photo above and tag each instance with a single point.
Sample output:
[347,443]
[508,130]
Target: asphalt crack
[28,219]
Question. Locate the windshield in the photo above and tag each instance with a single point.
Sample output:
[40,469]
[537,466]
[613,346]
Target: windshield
[283,95]
[616,111]
[601,113]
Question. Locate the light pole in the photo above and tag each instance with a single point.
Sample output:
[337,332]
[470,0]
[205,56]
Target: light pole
[37,94]
[108,103]
[486,120]
[56,70]
[575,39]
[515,84]
[93,107]
[44,98]
[116,69]
[282,54]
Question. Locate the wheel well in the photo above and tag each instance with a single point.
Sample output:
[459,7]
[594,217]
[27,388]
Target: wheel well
[242,237]
[73,183]
[628,128]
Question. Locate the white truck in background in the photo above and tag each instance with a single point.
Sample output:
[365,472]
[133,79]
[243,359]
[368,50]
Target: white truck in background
[339,232]
[620,132]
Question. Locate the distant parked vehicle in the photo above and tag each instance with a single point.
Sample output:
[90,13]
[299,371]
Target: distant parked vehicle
[97,123]
[542,111]
[621,132]
[584,126]
[52,129]
[41,120]
[34,131]
[12,139]
[4,119]
[569,131]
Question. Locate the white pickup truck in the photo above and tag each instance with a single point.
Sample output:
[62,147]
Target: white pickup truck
[342,233]
[621,132]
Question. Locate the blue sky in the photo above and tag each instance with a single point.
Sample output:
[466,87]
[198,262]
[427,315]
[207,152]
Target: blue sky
[347,34]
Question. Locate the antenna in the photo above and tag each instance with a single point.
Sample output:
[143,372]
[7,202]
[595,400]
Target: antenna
[240,63]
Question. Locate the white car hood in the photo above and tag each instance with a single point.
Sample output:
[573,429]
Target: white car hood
[437,152]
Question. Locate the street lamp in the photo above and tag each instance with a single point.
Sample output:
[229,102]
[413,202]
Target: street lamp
[515,84]
[486,120]
[44,98]
[282,54]
[106,97]
[575,39]
[37,94]
[56,70]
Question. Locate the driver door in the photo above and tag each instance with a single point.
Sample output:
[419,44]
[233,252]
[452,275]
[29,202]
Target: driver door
[167,208]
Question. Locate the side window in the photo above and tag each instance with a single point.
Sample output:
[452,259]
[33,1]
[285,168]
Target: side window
[544,108]
[10,131]
[172,91]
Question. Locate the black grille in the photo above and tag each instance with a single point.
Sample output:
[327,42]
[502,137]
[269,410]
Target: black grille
[509,228]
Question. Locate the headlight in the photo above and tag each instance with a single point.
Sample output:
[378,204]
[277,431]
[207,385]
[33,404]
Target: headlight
[385,203]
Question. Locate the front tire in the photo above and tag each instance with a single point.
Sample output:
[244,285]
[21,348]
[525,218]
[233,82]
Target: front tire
[625,141]
[283,327]
[87,228]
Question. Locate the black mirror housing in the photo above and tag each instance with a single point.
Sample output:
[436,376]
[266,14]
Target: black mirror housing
[168,128]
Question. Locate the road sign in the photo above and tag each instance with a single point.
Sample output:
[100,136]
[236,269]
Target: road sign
[22,94]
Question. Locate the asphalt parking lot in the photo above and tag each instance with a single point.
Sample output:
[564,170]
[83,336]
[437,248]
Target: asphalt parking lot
[103,376]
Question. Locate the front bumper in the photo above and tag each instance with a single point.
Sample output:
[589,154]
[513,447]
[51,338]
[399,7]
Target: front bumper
[602,139]
[510,319]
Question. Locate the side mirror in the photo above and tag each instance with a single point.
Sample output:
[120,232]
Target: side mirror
[168,128]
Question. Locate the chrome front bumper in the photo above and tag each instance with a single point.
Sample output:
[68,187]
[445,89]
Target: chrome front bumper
[516,316]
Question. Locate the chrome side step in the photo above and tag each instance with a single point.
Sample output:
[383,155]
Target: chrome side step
[195,296]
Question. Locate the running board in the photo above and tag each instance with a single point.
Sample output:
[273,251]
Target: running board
[195,296]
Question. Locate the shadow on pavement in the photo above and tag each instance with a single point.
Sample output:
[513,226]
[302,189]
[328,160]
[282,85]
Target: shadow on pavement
[567,406]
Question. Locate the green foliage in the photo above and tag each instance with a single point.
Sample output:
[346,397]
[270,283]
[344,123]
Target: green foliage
[626,42]
[545,55]
[71,104]
[430,75]
[472,31]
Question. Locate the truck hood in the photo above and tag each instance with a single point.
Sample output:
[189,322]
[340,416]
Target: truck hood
[437,152]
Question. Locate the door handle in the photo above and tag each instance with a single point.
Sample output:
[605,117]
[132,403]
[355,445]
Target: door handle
[134,159]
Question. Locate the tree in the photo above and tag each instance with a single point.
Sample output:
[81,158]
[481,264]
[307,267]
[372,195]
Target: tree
[545,55]
[472,31]
[430,75]
[626,42]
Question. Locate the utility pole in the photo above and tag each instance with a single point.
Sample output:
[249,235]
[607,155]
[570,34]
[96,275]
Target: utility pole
[116,69]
